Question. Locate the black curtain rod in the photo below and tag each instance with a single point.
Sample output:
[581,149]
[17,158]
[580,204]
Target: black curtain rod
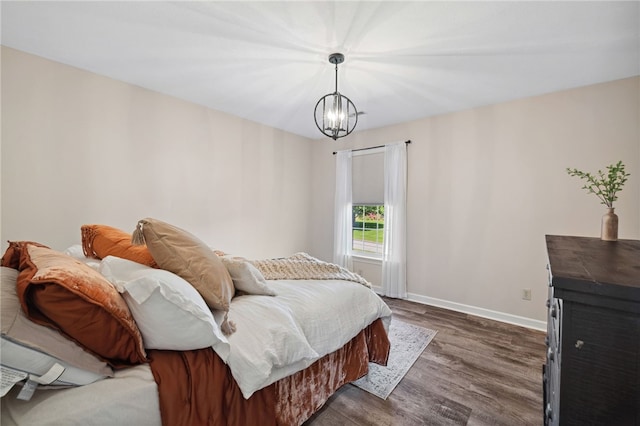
[371,147]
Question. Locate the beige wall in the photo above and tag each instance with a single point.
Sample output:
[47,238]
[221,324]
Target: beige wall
[81,148]
[486,185]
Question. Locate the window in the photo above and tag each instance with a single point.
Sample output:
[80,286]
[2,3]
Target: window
[367,223]
[368,229]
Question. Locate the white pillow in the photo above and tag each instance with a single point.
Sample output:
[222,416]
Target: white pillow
[76,252]
[169,311]
[34,349]
[247,277]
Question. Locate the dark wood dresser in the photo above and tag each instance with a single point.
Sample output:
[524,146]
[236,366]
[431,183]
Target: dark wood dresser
[592,373]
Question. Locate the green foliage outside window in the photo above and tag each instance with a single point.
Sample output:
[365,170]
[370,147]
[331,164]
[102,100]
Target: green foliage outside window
[368,228]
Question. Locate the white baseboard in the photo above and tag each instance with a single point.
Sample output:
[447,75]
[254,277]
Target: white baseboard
[473,310]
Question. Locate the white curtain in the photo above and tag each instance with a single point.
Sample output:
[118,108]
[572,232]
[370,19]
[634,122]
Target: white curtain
[342,240]
[394,260]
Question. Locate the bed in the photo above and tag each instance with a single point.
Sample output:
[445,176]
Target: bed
[269,349]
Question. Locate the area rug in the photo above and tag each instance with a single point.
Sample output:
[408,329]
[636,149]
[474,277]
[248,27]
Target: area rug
[408,341]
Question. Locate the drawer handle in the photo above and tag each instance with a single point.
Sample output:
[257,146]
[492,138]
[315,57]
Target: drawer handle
[549,412]
[551,354]
[579,344]
[554,311]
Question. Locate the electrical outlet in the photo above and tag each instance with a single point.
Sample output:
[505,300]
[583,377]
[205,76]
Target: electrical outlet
[526,294]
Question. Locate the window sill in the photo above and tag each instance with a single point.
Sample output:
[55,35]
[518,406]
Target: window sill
[367,259]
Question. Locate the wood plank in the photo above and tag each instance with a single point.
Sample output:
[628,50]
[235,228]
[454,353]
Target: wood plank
[475,372]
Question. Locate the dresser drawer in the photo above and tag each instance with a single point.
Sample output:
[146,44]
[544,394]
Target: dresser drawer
[551,373]
[601,366]
[603,327]
[554,320]
[551,383]
[547,408]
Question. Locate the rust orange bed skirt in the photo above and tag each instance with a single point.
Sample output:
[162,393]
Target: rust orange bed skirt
[197,388]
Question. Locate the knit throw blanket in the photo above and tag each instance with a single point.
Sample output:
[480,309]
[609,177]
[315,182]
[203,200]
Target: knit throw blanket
[302,266]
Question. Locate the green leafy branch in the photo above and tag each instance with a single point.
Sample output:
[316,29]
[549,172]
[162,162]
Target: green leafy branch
[605,186]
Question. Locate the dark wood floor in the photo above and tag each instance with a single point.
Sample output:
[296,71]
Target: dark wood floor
[474,372]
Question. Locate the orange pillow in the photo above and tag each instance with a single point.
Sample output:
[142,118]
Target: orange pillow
[100,241]
[11,257]
[59,291]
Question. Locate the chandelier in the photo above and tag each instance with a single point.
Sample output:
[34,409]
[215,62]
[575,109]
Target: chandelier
[335,115]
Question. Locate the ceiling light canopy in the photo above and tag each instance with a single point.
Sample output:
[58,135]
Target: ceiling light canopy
[335,115]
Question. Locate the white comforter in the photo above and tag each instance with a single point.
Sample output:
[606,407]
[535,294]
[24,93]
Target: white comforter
[278,336]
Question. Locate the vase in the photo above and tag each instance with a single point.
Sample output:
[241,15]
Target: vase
[609,229]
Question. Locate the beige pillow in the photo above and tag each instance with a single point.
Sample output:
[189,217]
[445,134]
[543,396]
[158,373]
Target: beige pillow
[182,253]
[246,277]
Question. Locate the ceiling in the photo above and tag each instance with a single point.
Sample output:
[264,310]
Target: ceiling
[267,61]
